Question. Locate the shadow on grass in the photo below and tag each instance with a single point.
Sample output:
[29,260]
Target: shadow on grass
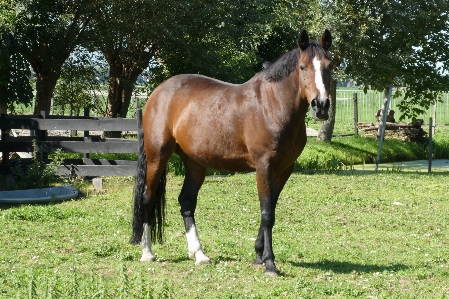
[348,267]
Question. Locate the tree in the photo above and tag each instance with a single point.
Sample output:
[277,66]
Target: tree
[222,44]
[79,82]
[188,36]
[15,73]
[378,43]
[125,36]
[46,32]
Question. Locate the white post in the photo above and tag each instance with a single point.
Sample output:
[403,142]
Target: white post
[434,116]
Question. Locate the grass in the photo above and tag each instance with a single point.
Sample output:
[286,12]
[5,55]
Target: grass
[340,235]
[344,152]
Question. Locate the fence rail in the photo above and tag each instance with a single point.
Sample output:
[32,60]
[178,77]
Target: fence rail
[39,125]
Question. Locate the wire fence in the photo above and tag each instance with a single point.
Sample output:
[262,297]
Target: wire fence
[369,103]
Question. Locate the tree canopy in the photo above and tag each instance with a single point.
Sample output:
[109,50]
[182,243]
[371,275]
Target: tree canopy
[376,43]
[393,42]
[46,32]
[14,70]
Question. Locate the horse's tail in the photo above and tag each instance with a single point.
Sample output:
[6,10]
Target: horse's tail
[152,213]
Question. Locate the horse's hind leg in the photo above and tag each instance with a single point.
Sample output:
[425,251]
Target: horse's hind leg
[154,198]
[154,175]
[194,178]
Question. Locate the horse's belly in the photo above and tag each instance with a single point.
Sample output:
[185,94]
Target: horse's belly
[219,156]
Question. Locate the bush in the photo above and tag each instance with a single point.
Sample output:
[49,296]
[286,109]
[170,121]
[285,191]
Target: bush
[38,174]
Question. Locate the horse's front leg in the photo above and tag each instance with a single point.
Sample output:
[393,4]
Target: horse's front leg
[268,199]
[269,187]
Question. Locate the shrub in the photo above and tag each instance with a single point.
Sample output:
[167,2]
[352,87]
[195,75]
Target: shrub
[38,174]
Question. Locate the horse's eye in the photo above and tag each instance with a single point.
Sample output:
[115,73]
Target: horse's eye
[303,68]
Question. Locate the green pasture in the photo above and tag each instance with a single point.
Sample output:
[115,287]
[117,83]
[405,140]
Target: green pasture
[339,235]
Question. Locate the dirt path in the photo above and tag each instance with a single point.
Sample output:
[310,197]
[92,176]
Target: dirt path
[441,165]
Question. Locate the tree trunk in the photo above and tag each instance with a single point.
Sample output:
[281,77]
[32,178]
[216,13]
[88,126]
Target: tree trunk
[124,68]
[115,94]
[45,85]
[121,86]
[327,127]
[3,99]
[127,94]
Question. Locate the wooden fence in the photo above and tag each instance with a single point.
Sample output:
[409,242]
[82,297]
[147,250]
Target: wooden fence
[40,125]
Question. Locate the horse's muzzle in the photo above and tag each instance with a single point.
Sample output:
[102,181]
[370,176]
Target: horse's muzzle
[320,109]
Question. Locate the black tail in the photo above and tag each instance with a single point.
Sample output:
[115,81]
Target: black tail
[152,212]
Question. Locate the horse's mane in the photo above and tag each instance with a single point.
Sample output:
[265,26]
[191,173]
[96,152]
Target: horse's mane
[288,62]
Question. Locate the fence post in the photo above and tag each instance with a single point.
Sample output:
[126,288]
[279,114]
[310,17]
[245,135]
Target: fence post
[139,120]
[434,116]
[381,131]
[4,136]
[42,136]
[136,104]
[356,115]
[73,133]
[86,133]
[429,155]
[139,128]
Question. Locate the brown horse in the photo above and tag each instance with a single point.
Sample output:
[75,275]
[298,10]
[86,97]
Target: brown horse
[256,126]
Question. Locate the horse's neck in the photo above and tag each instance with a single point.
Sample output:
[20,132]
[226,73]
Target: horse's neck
[283,99]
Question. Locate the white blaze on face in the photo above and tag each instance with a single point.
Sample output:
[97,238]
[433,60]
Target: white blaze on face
[318,78]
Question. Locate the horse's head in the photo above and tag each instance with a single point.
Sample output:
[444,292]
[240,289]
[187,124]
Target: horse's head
[315,73]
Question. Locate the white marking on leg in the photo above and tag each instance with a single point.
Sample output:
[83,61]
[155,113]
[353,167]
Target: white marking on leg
[194,245]
[147,255]
[318,78]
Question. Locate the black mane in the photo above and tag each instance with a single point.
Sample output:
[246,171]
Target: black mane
[288,62]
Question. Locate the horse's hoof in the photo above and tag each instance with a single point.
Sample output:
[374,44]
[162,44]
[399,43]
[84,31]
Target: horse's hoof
[258,263]
[271,269]
[201,258]
[148,258]
[274,272]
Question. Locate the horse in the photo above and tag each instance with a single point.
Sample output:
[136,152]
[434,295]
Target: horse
[255,126]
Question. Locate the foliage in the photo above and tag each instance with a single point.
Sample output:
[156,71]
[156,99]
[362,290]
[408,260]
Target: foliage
[46,33]
[376,43]
[15,72]
[79,83]
[391,42]
[221,43]
[38,174]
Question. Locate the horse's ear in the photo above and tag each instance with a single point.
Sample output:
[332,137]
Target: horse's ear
[326,40]
[303,40]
